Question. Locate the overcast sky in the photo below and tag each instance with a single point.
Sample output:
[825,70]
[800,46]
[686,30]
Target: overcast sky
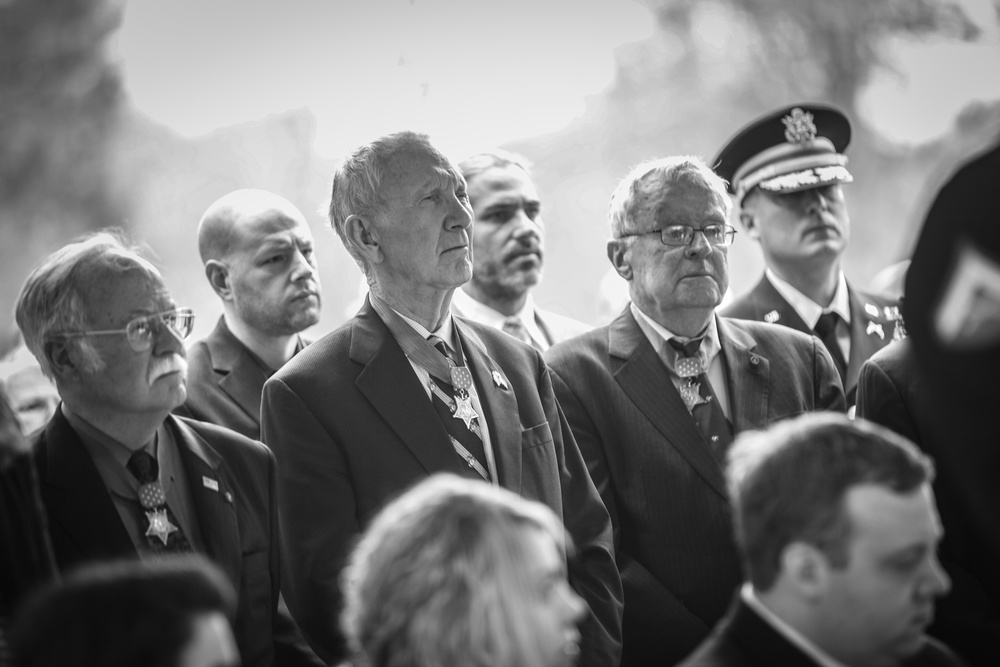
[472,73]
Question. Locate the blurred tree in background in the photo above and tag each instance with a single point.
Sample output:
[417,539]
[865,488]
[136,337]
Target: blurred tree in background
[60,99]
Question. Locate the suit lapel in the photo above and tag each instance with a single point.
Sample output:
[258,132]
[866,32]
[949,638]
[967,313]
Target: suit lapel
[863,344]
[77,499]
[215,508]
[244,379]
[500,406]
[759,641]
[770,300]
[643,377]
[389,383]
[748,375]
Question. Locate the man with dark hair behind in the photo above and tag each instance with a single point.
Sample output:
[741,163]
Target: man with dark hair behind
[509,251]
[174,612]
[838,532]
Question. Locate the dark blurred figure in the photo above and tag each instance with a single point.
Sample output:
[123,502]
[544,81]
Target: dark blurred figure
[939,388]
[509,251]
[838,534]
[655,398]
[171,613]
[25,551]
[120,477]
[455,572]
[258,254]
[786,170]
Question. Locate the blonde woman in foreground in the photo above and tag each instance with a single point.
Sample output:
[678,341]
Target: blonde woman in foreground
[456,572]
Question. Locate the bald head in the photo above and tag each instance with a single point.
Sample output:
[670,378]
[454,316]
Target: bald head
[257,249]
[237,210]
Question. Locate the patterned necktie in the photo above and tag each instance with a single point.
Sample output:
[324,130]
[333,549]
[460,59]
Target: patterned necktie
[163,532]
[701,400]
[464,430]
[826,329]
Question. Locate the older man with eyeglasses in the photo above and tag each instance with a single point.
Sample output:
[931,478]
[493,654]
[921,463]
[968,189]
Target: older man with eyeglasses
[655,398]
[120,476]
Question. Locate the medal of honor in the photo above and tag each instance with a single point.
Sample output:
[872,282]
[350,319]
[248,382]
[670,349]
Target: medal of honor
[461,380]
[691,394]
[159,525]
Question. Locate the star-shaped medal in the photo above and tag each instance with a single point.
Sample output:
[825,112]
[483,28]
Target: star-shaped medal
[464,411]
[691,394]
[159,525]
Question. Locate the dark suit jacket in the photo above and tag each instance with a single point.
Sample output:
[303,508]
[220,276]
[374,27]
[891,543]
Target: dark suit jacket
[224,383]
[352,426]
[892,392]
[871,328]
[239,521]
[744,639]
[663,487]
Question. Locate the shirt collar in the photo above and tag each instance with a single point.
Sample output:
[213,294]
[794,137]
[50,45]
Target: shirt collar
[445,332]
[658,335]
[808,309]
[803,643]
[466,306]
[113,456]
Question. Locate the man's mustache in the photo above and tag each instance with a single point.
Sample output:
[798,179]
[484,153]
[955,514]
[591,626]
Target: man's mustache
[169,364]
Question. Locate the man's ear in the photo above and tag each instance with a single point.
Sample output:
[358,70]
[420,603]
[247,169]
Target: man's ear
[749,223]
[616,253]
[218,277]
[60,359]
[363,237]
[806,568]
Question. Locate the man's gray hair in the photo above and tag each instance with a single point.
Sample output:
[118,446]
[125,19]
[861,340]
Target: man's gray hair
[51,301]
[357,184]
[474,165]
[654,175]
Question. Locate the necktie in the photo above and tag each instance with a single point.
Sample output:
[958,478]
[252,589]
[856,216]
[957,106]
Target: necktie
[826,329]
[163,531]
[462,426]
[707,412]
[515,327]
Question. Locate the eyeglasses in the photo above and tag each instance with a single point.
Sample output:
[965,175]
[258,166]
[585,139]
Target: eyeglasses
[142,330]
[680,235]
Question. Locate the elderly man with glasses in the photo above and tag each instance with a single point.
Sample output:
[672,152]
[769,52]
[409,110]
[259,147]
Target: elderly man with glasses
[655,398]
[120,476]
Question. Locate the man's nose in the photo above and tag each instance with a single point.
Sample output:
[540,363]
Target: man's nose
[303,267]
[817,201]
[699,245]
[168,340]
[459,214]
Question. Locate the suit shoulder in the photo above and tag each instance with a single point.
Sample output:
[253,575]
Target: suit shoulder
[593,344]
[329,349]
[769,334]
[224,439]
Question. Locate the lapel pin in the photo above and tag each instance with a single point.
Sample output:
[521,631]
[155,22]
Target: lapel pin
[772,317]
[210,483]
[876,328]
[229,497]
[500,380]
[871,310]
[754,360]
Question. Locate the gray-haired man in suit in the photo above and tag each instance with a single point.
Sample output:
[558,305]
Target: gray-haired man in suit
[655,398]
[405,389]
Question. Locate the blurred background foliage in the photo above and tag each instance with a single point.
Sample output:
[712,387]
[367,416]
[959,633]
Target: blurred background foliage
[75,155]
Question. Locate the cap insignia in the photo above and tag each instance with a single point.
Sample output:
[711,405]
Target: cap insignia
[799,126]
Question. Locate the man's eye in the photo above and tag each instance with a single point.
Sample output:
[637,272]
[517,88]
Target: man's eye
[499,215]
